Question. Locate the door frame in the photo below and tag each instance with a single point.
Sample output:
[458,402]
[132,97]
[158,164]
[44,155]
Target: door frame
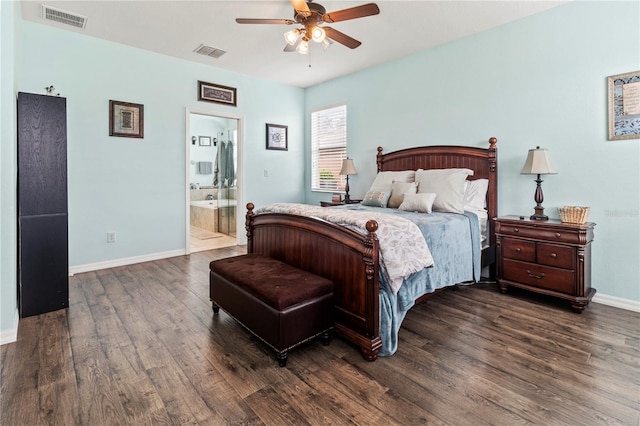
[240,236]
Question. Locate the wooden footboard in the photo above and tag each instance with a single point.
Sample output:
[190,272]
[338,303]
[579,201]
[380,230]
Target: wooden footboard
[346,257]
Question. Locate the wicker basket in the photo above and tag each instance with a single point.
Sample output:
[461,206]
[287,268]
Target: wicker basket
[573,214]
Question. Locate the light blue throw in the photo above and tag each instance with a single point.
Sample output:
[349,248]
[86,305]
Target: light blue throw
[454,242]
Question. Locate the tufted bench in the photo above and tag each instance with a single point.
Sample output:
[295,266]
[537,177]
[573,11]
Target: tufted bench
[282,305]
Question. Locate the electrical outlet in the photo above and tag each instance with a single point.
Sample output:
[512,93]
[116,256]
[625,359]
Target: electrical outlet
[111,237]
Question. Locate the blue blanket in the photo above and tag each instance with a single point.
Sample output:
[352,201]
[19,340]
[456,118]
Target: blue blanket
[454,242]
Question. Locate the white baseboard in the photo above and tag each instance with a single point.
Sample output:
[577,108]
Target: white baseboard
[617,302]
[125,261]
[11,335]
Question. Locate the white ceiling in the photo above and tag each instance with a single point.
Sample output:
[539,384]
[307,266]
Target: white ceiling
[176,28]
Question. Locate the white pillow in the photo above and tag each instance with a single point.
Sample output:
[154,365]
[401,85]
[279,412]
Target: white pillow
[448,184]
[398,189]
[376,198]
[383,180]
[475,194]
[422,203]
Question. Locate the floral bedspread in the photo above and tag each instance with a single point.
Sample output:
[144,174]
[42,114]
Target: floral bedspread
[403,249]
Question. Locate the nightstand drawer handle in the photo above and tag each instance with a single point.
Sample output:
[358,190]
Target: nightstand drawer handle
[516,230]
[558,235]
[541,276]
[518,249]
[553,255]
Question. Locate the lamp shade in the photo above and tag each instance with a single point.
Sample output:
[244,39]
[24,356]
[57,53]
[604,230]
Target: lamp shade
[348,167]
[538,163]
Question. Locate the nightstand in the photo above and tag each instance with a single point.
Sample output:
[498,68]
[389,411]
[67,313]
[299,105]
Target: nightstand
[337,203]
[548,257]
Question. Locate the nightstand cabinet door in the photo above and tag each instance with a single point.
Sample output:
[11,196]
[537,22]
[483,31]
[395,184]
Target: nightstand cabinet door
[548,257]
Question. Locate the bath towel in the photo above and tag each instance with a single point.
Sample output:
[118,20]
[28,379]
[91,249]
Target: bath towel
[204,167]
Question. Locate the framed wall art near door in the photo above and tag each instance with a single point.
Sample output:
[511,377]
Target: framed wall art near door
[277,137]
[210,92]
[624,105]
[126,119]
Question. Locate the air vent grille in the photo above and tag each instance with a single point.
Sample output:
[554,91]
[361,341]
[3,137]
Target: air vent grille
[62,16]
[209,51]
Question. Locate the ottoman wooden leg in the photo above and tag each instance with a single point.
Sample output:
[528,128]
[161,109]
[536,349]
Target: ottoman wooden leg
[215,308]
[325,338]
[282,359]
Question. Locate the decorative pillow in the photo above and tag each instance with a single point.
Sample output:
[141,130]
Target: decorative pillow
[475,194]
[383,180]
[376,198]
[418,202]
[448,184]
[398,189]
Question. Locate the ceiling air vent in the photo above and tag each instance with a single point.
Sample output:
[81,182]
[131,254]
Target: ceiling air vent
[209,51]
[62,16]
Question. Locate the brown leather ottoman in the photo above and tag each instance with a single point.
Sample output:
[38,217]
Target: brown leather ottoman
[282,305]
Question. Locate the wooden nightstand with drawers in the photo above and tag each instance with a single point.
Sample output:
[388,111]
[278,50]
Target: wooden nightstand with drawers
[548,257]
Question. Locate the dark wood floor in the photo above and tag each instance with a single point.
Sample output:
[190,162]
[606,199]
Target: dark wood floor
[139,345]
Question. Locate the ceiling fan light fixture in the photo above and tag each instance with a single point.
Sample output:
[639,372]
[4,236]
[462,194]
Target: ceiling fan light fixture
[318,34]
[326,43]
[303,47]
[292,36]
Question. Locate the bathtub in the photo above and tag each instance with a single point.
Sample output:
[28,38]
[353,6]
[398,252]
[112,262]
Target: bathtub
[213,215]
[213,204]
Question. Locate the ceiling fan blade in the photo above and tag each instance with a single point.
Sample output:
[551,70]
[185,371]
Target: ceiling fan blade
[341,38]
[351,13]
[301,7]
[264,21]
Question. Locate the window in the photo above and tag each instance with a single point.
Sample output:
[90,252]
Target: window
[328,148]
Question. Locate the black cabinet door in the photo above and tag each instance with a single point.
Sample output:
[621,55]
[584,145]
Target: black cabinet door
[42,155]
[43,263]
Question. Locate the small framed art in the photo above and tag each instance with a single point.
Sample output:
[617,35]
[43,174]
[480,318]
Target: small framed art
[126,119]
[624,105]
[210,92]
[277,137]
[204,140]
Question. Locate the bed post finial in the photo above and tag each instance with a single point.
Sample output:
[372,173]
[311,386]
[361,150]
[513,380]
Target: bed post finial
[247,226]
[493,160]
[379,159]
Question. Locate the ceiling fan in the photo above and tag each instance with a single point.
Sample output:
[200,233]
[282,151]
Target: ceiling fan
[310,16]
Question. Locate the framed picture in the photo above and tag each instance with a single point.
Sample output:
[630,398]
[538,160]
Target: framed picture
[126,119]
[204,140]
[277,137]
[624,106]
[210,92]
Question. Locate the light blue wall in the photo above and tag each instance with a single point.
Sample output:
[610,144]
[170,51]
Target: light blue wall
[136,187]
[8,159]
[538,81]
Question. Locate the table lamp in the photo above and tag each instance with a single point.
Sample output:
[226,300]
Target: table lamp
[538,164]
[347,169]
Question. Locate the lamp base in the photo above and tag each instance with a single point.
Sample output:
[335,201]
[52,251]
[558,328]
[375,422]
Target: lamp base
[539,214]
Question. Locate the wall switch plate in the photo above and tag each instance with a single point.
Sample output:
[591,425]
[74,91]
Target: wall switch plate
[111,237]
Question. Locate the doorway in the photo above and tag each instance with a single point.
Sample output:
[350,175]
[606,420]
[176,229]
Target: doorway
[213,180]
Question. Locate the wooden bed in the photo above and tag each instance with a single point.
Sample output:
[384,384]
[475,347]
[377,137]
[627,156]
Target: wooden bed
[350,259]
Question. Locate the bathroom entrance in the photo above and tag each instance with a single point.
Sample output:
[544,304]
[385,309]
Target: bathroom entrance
[213,177]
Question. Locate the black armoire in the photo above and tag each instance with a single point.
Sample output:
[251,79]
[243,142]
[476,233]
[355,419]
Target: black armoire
[43,259]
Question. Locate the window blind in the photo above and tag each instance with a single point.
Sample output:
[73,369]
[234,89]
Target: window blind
[328,148]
